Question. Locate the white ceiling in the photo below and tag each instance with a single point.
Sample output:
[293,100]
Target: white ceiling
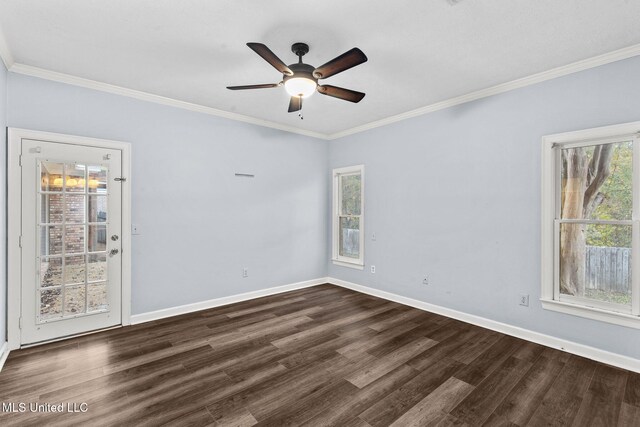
[420,52]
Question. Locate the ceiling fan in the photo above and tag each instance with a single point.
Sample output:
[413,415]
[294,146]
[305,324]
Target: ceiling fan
[301,80]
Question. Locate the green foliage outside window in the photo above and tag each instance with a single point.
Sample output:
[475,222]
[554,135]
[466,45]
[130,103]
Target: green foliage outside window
[615,201]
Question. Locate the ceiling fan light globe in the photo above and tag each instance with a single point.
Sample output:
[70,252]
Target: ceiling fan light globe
[300,86]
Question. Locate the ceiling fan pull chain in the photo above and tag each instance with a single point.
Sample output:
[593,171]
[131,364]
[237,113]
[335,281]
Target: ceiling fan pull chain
[300,112]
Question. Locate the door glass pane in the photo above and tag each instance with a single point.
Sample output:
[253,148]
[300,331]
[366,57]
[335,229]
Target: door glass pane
[50,176]
[97,179]
[50,272]
[74,268]
[50,303]
[97,267]
[97,208]
[350,237]
[350,192]
[72,282]
[74,300]
[75,178]
[74,239]
[597,182]
[51,208]
[74,208]
[97,238]
[50,240]
[97,297]
[595,262]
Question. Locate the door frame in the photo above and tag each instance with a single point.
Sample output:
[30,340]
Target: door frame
[14,220]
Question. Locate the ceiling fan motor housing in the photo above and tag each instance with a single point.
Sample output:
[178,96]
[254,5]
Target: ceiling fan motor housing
[304,71]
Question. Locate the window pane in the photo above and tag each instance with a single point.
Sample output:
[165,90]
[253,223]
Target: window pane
[51,176]
[97,267]
[51,240]
[350,191]
[74,239]
[97,238]
[595,262]
[74,300]
[97,208]
[51,208]
[597,182]
[50,272]
[74,268]
[74,208]
[97,179]
[74,178]
[98,297]
[350,237]
[50,303]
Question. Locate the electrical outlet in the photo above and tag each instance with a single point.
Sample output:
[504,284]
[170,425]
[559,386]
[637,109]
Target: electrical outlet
[373,269]
[373,237]
[425,281]
[135,229]
[245,272]
[524,300]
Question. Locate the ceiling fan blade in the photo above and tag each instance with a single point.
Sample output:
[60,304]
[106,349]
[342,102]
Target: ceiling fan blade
[264,86]
[270,57]
[295,104]
[338,92]
[343,62]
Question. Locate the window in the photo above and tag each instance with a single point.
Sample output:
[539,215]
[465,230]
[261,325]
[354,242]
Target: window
[348,216]
[591,234]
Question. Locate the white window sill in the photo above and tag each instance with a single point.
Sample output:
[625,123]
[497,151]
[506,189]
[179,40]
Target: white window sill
[593,313]
[356,265]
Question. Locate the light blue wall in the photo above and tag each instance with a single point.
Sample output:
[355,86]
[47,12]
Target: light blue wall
[455,195]
[199,224]
[3,203]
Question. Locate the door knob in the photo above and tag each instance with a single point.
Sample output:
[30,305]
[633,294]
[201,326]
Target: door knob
[113,252]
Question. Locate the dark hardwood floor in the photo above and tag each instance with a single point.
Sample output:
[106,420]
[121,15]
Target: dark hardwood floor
[319,356]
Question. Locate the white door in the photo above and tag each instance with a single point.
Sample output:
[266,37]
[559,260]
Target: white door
[71,240]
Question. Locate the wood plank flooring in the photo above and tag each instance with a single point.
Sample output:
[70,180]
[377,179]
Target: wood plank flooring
[321,356]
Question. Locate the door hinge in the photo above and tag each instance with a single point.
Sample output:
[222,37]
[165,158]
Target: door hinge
[120,179]
[20,241]
[20,160]
[20,322]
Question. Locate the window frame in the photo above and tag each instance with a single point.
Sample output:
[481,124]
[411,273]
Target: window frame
[337,259]
[551,173]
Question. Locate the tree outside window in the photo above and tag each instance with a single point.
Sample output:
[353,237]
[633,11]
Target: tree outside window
[596,204]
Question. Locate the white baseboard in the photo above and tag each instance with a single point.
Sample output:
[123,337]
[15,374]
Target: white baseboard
[592,353]
[4,353]
[204,305]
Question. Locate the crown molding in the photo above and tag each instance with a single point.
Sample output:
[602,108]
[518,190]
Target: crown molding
[585,64]
[564,70]
[5,53]
[158,99]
